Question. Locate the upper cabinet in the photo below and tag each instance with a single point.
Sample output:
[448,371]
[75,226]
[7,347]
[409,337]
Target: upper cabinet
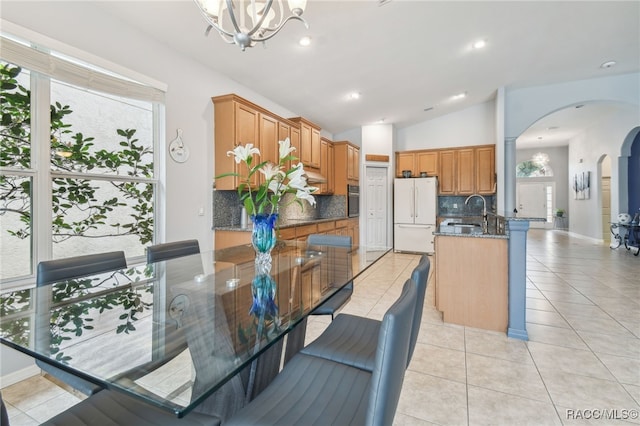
[309,142]
[417,162]
[460,171]
[237,122]
[347,166]
[327,157]
[240,122]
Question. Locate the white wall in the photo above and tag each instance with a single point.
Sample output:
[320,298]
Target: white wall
[472,126]
[585,150]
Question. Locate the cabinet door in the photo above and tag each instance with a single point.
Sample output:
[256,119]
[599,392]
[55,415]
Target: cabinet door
[427,162]
[305,144]
[447,173]
[405,161]
[315,148]
[294,138]
[356,163]
[324,166]
[269,128]
[466,171]
[485,170]
[247,131]
[331,182]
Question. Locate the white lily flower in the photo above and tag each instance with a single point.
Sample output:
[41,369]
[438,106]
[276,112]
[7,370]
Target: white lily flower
[272,171]
[304,195]
[243,153]
[285,148]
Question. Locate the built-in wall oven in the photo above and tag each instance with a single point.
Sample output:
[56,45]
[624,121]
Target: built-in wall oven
[353,200]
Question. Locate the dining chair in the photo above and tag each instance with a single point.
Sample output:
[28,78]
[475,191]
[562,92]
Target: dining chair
[158,252]
[4,416]
[331,306]
[51,271]
[112,408]
[353,340]
[312,390]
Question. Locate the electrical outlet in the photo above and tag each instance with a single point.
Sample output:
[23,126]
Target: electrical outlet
[455,205]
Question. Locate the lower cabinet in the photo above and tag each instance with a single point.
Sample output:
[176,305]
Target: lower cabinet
[472,281]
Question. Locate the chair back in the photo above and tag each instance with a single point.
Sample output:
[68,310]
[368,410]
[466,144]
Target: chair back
[50,271]
[165,251]
[4,416]
[391,358]
[420,276]
[329,240]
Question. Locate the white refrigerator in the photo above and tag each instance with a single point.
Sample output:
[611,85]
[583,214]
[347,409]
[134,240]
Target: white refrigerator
[414,214]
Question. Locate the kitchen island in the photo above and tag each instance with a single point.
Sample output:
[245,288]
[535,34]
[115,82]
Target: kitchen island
[481,276]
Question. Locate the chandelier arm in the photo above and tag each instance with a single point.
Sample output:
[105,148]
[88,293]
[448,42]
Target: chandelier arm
[212,24]
[264,14]
[233,16]
[277,30]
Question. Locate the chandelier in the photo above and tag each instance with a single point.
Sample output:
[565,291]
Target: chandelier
[246,22]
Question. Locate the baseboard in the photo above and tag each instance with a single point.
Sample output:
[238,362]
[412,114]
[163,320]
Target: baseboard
[18,376]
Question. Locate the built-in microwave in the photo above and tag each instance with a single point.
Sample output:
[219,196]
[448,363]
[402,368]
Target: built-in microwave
[353,200]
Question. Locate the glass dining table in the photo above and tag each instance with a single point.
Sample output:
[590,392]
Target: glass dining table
[198,332]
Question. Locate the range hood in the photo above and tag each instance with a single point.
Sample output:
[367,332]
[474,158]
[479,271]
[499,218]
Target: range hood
[314,177]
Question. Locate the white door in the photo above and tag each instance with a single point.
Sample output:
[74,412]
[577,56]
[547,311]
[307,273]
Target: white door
[377,190]
[403,201]
[531,201]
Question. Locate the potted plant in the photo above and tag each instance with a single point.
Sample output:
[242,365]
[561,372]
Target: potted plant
[559,212]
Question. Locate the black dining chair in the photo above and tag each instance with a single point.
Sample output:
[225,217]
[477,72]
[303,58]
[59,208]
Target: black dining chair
[158,252]
[51,271]
[331,306]
[312,390]
[353,340]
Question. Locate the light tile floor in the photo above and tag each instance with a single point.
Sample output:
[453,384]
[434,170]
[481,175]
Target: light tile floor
[581,364]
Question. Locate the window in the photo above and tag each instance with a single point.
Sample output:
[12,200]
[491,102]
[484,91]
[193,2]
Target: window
[78,150]
[537,166]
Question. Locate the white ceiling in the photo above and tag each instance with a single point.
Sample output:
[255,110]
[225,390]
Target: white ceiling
[405,56]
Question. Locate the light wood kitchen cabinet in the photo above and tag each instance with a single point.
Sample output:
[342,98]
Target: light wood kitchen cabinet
[347,166]
[418,162]
[353,231]
[485,170]
[291,131]
[237,122]
[326,166]
[405,161]
[309,142]
[427,162]
[447,174]
[465,171]
[472,281]
[269,147]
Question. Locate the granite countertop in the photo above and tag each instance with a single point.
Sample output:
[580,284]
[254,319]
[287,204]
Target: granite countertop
[495,221]
[288,223]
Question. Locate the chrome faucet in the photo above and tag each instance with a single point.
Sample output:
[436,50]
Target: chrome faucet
[485,221]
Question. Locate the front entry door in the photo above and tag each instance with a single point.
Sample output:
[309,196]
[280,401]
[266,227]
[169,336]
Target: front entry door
[531,199]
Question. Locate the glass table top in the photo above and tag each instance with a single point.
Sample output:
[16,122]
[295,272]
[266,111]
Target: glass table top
[175,332]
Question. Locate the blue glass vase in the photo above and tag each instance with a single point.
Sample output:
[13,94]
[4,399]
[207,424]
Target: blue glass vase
[263,239]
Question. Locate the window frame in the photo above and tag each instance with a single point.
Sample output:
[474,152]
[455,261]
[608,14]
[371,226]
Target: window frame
[40,170]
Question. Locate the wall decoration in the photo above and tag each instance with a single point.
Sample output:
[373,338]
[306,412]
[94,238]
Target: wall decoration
[582,185]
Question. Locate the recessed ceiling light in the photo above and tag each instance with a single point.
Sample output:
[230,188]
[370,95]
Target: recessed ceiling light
[608,64]
[479,44]
[353,96]
[305,41]
[459,96]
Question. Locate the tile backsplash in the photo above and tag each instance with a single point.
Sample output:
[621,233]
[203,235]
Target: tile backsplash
[227,208]
[455,206]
